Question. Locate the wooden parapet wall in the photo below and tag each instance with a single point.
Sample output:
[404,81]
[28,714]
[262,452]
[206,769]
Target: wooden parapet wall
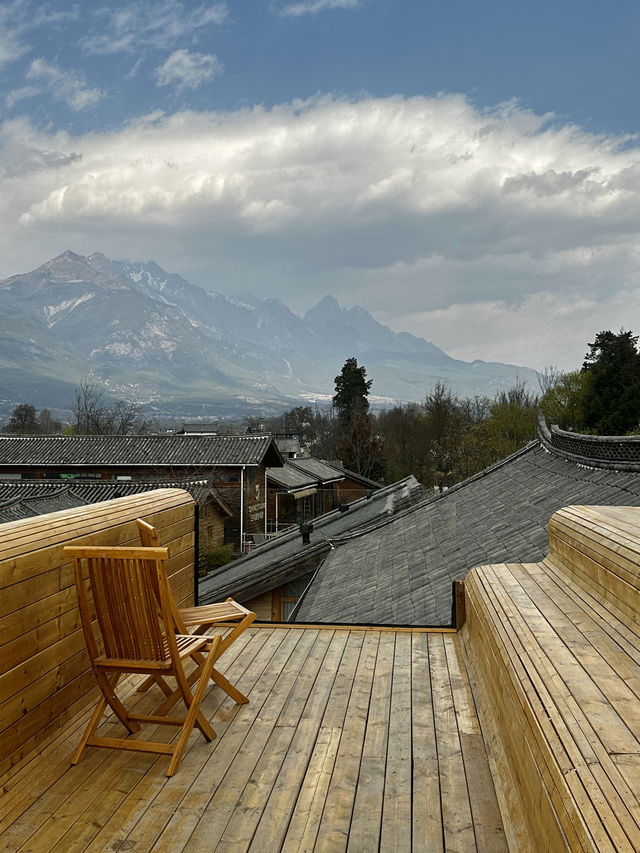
[553,651]
[45,678]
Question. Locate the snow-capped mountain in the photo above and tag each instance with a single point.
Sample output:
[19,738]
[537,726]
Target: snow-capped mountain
[152,336]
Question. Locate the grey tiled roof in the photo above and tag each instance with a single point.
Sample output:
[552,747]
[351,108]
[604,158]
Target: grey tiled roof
[316,468]
[285,558]
[56,451]
[26,506]
[287,446]
[26,498]
[304,472]
[402,572]
[353,475]
[289,477]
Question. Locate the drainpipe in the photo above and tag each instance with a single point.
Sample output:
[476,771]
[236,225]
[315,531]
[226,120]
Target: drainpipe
[242,510]
[265,502]
[277,493]
[196,561]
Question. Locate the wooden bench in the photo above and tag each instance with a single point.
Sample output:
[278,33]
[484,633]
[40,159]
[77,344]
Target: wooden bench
[554,655]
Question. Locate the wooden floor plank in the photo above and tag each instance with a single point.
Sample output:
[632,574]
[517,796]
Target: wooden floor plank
[305,823]
[427,829]
[367,809]
[456,810]
[333,832]
[395,833]
[487,823]
[230,763]
[274,823]
[336,750]
[269,768]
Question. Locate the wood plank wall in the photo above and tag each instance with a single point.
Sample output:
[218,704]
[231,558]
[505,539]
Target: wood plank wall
[45,677]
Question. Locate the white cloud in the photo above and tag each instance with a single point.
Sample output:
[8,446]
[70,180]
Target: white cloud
[186,70]
[477,229]
[158,24]
[17,95]
[548,328]
[20,17]
[314,7]
[10,47]
[68,86]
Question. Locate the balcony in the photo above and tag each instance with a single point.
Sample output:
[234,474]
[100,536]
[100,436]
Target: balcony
[352,739]
[518,732]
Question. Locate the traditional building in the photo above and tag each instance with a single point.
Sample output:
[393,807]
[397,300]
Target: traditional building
[235,466]
[274,575]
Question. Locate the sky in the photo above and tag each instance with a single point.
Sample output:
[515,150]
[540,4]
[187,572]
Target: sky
[467,172]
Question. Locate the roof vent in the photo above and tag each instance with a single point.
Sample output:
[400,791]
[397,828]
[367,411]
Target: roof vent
[306,528]
[343,507]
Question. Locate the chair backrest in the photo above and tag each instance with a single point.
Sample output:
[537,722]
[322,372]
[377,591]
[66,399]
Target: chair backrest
[149,539]
[148,534]
[131,599]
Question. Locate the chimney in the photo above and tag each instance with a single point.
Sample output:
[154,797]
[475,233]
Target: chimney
[306,528]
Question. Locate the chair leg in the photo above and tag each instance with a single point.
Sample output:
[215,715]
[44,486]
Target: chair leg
[217,678]
[146,684]
[228,688]
[90,730]
[194,714]
[107,685]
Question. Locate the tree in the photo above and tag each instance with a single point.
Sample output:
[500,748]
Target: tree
[352,391]
[512,423]
[23,420]
[406,443]
[299,421]
[563,400]
[446,425]
[94,416]
[47,424]
[359,448]
[612,393]
[324,435]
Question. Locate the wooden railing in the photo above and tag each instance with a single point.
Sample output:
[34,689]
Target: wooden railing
[45,678]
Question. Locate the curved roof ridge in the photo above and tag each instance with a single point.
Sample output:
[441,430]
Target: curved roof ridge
[613,452]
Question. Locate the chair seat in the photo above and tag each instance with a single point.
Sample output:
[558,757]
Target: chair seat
[187,645]
[221,611]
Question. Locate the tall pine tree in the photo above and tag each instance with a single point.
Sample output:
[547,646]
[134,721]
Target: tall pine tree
[612,401]
[358,448]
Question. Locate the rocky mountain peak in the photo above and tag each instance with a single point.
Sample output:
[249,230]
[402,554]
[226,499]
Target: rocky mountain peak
[327,309]
[150,333]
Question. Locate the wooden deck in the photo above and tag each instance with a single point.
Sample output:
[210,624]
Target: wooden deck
[357,740]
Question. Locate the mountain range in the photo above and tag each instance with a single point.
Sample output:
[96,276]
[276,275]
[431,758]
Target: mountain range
[152,337]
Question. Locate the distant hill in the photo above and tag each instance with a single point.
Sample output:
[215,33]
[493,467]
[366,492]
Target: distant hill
[153,337]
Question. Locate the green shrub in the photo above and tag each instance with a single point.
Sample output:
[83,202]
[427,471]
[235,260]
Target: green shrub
[213,558]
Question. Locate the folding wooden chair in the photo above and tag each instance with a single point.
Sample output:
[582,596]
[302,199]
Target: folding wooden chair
[132,602]
[202,618]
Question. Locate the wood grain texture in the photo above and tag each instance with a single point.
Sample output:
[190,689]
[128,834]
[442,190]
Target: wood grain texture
[44,669]
[340,748]
[553,650]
